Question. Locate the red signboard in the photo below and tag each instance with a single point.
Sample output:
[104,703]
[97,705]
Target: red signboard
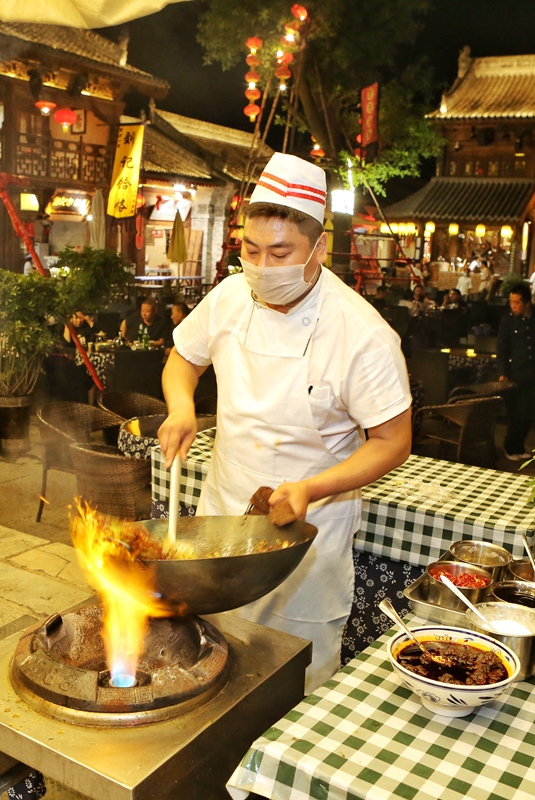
[369,100]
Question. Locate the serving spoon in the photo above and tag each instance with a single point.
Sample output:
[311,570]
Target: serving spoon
[456,591]
[387,608]
[528,551]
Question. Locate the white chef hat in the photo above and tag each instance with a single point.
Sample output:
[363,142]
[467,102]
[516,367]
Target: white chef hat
[291,181]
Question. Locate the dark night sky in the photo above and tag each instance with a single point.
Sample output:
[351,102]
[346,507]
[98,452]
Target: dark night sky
[164,44]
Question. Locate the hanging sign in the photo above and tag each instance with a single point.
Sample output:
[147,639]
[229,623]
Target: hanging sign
[369,101]
[126,166]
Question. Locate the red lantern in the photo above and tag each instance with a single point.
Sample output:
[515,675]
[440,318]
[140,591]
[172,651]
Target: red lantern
[291,27]
[252,60]
[45,107]
[285,58]
[299,12]
[358,137]
[65,117]
[254,44]
[252,111]
[253,94]
[317,151]
[283,73]
[252,76]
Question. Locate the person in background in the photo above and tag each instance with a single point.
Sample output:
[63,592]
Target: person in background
[485,282]
[516,362]
[83,325]
[148,317]
[464,284]
[379,301]
[453,300]
[416,301]
[304,366]
[179,312]
[532,283]
[419,271]
[29,266]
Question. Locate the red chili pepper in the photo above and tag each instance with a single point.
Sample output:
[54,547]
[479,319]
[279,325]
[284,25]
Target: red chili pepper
[464,579]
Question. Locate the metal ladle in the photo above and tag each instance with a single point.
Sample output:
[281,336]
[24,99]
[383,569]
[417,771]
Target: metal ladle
[387,608]
[528,551]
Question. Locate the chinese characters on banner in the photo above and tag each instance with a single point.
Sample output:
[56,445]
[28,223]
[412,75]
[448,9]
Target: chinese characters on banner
[125,178]
[369,97]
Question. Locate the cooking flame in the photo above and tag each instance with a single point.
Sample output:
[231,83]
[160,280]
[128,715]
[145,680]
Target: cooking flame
[125,586]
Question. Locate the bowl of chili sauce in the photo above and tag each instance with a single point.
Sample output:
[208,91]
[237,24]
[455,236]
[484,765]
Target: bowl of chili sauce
[474,583]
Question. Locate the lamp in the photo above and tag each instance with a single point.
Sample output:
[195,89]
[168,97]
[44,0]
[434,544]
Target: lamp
[453,229]
[402,229]
[384,228]
[65,117]
[411,228]
[430,227]
[480,231]
[251,111]
[343,201]
[299,12]
[519,147]
[394,227]
[29,202]
[45,107]
[506,232]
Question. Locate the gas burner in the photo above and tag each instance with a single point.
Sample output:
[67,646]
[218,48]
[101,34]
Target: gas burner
[60,670]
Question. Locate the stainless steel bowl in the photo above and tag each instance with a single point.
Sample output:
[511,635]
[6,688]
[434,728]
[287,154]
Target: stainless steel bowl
[239,574]
[522,644]
[487,555]
[519,592]
[440,595]
[521,570]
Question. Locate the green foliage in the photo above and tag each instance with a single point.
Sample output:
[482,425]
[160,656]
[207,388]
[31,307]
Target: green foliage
[349,45]
[94,276]
[508,282]
[30,303]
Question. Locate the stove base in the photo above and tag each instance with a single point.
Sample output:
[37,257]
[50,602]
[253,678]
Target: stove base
[189,757]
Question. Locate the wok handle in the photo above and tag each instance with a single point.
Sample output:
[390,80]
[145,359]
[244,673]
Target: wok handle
[174,493]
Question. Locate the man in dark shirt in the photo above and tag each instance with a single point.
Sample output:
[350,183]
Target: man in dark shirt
[516,362]
[149,318]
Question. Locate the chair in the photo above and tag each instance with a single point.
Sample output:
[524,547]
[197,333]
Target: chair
[465,425]
[111,482]
[490,389]
[131,404]
[62,423]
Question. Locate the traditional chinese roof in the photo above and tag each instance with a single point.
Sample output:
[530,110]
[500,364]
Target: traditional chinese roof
[165,157]
[471,199]
[22,40]
[230,147]
[486,88]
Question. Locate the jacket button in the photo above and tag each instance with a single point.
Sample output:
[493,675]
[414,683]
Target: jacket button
[306,321]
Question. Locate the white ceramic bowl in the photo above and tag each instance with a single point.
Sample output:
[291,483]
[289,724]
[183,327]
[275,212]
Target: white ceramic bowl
[446,699]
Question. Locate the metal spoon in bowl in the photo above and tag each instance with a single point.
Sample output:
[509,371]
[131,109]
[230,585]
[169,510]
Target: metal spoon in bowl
[456,591]
[387,608]
[528,551]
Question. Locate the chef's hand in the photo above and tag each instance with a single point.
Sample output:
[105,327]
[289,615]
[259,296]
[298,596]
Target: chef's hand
[296,494]
[177,433]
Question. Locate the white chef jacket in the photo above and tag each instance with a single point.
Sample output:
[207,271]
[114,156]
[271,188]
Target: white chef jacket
[358,376]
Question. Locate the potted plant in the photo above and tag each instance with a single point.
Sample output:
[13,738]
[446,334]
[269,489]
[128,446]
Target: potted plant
[29,307]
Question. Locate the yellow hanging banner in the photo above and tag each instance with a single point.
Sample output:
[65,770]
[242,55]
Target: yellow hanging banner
[126,167]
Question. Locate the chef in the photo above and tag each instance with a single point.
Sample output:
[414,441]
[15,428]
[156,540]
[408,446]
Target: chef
[313,399]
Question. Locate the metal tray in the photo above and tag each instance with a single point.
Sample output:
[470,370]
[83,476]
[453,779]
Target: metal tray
[416,594]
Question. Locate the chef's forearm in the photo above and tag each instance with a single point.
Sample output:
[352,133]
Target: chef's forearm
[179,381]
[388,446]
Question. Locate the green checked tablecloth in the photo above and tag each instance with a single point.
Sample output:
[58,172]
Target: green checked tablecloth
[365,735]
[193,474]
[415,512]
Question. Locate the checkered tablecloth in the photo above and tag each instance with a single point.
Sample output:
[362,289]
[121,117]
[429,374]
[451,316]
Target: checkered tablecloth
[193,473]
[415,512]
[365,735]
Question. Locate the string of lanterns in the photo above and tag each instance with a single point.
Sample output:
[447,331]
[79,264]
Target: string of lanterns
[252,93]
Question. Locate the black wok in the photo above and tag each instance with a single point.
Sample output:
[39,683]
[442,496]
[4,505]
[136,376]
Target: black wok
[238,574]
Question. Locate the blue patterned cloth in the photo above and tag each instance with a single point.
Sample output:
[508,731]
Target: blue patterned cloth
[375,579]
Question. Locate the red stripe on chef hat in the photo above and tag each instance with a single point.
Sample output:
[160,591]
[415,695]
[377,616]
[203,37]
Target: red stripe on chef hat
[290,181]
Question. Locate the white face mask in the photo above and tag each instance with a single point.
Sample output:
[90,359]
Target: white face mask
[279,286]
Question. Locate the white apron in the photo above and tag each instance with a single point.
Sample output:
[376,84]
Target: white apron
[266,435]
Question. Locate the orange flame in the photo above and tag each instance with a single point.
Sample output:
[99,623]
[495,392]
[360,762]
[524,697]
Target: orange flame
[126,588]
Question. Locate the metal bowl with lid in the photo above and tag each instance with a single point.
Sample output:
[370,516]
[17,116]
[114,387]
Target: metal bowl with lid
[487,555]
[521,570]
